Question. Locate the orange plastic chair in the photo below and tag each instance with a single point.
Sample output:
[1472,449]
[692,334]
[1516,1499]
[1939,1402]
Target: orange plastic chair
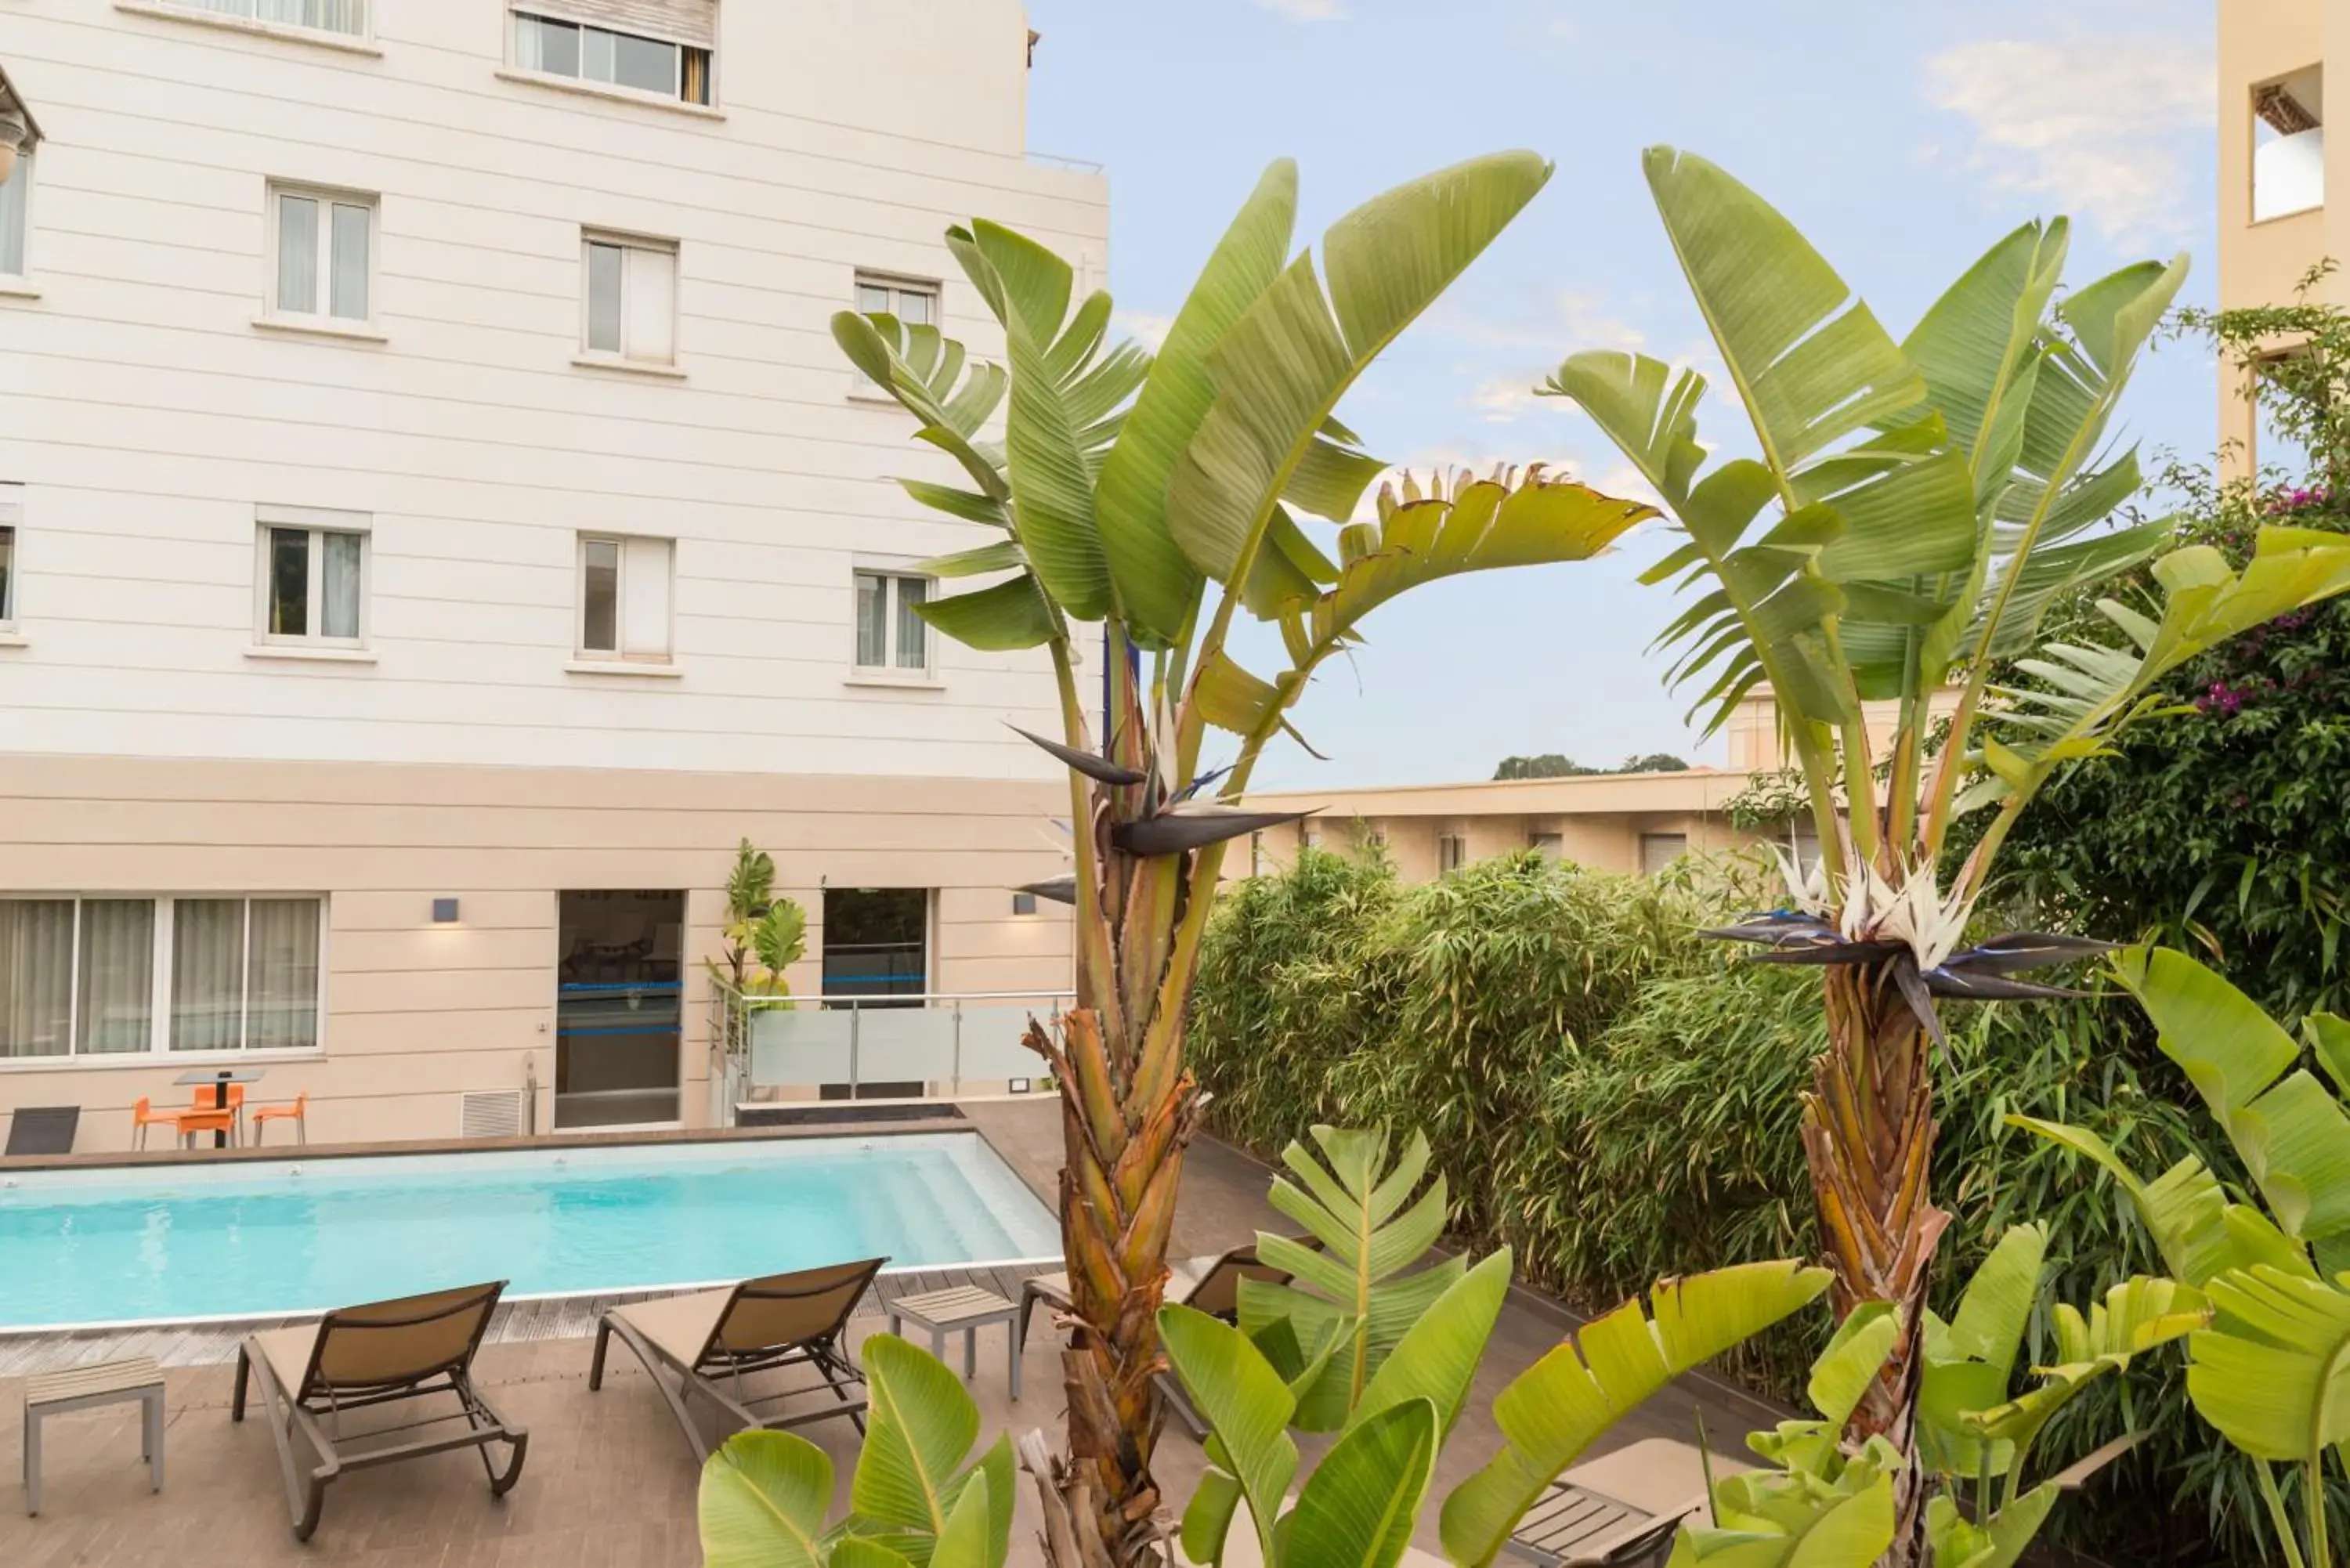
[144,1115]
[294,1112]
[190,1123]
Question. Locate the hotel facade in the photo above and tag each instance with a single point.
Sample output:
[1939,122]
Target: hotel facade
[436,528]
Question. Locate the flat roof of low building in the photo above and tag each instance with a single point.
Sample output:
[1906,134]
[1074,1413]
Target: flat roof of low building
[1684,790]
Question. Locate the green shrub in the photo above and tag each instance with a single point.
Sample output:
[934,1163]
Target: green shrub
[1620,1099]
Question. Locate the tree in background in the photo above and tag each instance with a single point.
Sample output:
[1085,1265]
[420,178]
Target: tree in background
[1914,509]
[1121,489]
[1552,766]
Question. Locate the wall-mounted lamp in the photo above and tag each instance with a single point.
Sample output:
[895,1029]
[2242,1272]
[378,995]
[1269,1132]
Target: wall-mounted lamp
[444,911]
[1024,903]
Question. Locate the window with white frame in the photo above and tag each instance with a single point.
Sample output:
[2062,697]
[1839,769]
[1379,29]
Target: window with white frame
[312,581]
[891,636]
[12,517]
[629,302]
[575,46]
[913,302]
[624,596]
[346,16]
[112,976]
[322,245]
[1451,852]
[15,206]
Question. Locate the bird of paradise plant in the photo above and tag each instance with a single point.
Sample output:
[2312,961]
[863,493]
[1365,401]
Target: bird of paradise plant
[1912,509]
[1162,498]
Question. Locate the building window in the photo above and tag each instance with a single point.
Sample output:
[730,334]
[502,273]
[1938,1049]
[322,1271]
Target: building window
[1549,846]
[661,66]
[1451,852]
[345,16]
[11,516]
[16,197]
[324,243]
[1309,836]
[2289,144]
[891,632]
[1659,850]
[313,576]
[913,303]
[624,596]
[630,302]
[128,977]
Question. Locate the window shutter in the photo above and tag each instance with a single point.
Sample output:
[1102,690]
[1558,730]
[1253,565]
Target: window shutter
[652,296]
[693,21]
[644,597]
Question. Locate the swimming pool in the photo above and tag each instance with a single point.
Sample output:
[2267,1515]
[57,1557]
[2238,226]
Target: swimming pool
[136,1244]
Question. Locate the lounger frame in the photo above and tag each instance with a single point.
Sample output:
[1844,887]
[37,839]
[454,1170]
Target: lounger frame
[823,1351]
[301,1411]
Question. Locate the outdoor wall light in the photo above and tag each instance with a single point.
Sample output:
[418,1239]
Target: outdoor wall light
[444,911]
[1024,903]
[1021,1085]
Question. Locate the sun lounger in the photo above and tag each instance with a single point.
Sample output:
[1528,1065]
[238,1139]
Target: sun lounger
[313,1378]
[43,1129]
[1215,1290]
[1620,1509]
[710,1341]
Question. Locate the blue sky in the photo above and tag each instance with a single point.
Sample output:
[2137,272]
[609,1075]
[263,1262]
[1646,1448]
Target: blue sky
[1902,140]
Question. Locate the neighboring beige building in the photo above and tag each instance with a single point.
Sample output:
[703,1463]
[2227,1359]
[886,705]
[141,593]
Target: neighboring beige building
[436,524]
[2283,205]
[1614,822]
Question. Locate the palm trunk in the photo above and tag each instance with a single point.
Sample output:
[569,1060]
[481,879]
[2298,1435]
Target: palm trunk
[1869,1133]
[1124,1160]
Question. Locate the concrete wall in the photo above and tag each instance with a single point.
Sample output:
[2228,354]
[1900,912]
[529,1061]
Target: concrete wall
[2263,41]
[147,416]
[415,1013]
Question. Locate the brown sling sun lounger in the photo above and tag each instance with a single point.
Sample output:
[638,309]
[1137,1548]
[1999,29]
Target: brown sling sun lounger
[1217,1293]
[414,1348]
[710,1341]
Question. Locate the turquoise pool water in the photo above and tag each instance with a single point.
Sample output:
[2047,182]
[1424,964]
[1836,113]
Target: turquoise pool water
[134,1243]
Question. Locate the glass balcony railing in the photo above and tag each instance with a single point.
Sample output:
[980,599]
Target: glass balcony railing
[922,1046]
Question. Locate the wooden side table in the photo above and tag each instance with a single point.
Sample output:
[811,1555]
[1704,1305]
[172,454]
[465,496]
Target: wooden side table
[964,1308]
[82,1387]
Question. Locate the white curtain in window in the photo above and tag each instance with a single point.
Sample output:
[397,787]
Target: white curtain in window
[298,256]
[347,290]
[644,597]
[35,976]
[604,269]
[12,218]
[872,630]
[281,1004]
[338,588]
[911,627]
[336,16]
[207,974]
[117,997]
[652,296]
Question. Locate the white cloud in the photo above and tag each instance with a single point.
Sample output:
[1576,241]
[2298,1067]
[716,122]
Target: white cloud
[1504,398]
[1147,327]
[2105,127]
[1307,10]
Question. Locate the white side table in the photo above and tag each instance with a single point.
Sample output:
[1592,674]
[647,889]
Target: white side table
[966,1308]
[81,1387]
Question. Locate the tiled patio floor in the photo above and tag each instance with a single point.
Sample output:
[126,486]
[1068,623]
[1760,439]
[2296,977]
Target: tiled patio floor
[609,1484]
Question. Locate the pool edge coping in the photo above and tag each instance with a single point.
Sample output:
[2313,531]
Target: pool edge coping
[221,1320]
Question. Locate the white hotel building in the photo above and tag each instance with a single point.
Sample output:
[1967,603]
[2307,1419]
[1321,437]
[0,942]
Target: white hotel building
[436,526]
